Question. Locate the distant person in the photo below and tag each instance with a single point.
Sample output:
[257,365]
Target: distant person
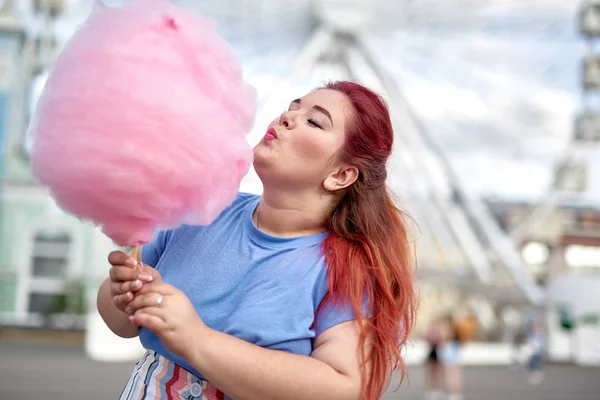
[433,381]
[536,342]
[518,341]
[449,355]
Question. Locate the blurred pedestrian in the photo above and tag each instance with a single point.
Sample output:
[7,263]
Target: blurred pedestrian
[449,355]
[433,368]
[536,343]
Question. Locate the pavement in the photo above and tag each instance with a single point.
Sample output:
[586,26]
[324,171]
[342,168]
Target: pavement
[50,371]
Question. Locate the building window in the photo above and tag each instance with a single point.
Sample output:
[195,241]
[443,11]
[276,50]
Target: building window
[55,299]
[50,255]
[47,304]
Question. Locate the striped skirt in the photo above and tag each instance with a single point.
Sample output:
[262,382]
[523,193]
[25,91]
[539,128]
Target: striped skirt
[156,378]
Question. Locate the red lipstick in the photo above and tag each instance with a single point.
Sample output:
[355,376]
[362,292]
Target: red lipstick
[271,134]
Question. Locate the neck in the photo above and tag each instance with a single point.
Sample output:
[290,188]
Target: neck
[287,214]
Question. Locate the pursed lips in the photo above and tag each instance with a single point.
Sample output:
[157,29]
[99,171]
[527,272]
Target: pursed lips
[271,134]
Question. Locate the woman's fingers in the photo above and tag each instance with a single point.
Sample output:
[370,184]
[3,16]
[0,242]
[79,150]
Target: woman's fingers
[120,258]
[122,301]
[151,272]
[125,281]
[118,288]
[148,320]
[159,287]
[122,273]
[145,300]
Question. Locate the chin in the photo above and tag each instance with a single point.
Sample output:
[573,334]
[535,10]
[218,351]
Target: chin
[260,169]
[259,162]
[266,167]
[258,153]
[263,151]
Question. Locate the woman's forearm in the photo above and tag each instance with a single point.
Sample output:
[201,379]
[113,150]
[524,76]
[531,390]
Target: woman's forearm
[245,371]
[114,318]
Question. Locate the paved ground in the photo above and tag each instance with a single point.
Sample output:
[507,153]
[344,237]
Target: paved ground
[59,372]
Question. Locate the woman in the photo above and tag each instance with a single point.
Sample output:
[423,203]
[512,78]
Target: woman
[449,355]
[303,293]
[433,384]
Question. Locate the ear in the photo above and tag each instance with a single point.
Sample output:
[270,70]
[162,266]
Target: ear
[345,176]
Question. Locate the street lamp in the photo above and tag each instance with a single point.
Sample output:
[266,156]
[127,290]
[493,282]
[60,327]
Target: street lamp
[535,253]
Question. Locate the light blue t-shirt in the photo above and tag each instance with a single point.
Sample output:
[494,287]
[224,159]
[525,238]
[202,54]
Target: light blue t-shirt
[246,283]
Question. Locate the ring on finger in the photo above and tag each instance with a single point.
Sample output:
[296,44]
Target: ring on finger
[159,300]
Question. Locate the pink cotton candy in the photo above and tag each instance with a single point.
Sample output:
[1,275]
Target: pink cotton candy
[142,122]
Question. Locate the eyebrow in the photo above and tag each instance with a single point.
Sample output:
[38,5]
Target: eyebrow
[318,108]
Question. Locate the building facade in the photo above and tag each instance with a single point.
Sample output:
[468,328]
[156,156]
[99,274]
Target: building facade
[51,263]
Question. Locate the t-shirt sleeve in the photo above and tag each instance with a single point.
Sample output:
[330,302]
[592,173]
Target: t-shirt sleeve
[151,252]
[333,314]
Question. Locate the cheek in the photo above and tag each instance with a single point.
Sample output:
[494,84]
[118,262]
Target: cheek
[316,148]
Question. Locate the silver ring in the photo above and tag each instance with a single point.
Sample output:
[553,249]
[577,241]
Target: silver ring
[159,300]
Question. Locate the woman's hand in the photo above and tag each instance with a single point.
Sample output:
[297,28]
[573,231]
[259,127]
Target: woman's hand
[168,313]
[126,278]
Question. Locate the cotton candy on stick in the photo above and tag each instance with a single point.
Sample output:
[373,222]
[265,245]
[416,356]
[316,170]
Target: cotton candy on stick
[142,121]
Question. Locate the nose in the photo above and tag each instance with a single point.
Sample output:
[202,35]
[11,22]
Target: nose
[288,119]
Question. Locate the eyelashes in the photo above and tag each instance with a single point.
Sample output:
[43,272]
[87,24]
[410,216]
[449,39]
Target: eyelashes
[315,123]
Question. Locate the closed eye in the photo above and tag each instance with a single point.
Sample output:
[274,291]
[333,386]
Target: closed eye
[315,123]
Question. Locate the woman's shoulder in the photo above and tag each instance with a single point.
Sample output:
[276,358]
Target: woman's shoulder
[185,230]
[244,197]
[240,202]
[237,206]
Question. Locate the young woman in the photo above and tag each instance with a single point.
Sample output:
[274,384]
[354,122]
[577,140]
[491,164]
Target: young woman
[305,292]
[433,370]
[449,352]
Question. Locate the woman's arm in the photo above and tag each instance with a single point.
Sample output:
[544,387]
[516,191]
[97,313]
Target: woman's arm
[114,318]
[243,370]
[118,290]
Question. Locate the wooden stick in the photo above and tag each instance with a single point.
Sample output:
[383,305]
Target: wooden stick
[136,254]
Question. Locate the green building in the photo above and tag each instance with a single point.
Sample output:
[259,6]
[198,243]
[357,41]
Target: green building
[50,263]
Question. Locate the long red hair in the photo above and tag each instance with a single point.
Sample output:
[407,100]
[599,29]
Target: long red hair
[368,250]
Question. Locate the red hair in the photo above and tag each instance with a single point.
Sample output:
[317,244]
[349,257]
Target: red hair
[368,251]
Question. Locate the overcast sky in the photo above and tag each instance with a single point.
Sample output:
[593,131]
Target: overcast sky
[496,83]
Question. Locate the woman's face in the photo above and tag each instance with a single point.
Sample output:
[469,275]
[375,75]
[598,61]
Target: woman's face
[300,149]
